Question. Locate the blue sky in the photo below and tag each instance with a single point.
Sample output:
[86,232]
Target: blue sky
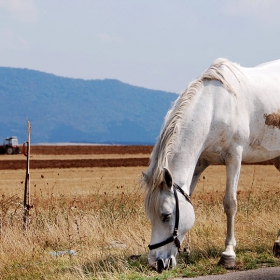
[156,44]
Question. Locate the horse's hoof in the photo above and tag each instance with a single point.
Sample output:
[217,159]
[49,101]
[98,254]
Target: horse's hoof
[276,249]
[227,262]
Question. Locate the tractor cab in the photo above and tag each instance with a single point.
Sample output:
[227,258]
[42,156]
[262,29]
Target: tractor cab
[10,145]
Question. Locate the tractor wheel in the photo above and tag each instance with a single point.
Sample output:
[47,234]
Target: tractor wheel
[10,151]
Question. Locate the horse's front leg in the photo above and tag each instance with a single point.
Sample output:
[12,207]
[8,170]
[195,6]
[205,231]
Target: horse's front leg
[233,165]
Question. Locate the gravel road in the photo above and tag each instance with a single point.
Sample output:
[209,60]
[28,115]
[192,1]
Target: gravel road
[268,273]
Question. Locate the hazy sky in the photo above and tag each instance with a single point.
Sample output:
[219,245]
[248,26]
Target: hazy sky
[157,44]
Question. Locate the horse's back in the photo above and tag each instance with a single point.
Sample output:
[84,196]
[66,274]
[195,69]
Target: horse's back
[274,64]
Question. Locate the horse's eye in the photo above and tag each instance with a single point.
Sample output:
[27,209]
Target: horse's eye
[165,217]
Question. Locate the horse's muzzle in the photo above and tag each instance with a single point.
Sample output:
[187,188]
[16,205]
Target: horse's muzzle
[161,265]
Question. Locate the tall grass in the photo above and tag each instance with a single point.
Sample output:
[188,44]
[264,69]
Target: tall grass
[104,235]
[103,230]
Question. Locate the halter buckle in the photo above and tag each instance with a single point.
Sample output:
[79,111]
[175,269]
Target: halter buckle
[177,243]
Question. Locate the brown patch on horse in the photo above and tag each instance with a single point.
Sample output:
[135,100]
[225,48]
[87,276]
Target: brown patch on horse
[273,119]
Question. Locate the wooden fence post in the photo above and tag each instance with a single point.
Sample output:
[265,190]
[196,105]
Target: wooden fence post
[26,202]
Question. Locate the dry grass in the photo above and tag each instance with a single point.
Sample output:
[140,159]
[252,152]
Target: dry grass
[99,213]
[71,181]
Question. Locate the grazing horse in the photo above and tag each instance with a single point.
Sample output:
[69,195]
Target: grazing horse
[228,115]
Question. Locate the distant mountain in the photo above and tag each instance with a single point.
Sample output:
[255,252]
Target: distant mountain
[75,110]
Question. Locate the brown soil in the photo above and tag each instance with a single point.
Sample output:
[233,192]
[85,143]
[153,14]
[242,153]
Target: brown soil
[34,164]
[89,149]
[19,162]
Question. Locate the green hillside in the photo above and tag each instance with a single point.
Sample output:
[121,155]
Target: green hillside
[75,110]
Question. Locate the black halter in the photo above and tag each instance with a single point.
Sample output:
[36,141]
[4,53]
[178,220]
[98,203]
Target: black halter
[174,237]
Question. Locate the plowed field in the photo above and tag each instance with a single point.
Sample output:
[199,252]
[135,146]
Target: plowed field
[72,156]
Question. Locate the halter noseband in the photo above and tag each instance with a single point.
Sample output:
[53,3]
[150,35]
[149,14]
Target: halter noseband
[174,237]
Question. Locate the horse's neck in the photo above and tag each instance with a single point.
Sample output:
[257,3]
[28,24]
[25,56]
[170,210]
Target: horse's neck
[183,159]
[192,138]
[182,165]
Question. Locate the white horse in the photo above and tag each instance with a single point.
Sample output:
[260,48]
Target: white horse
[229,115]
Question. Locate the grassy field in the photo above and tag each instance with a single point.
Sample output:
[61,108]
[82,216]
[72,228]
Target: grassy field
[89,223]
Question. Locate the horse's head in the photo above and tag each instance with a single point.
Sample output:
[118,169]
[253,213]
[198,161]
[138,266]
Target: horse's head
[171,214]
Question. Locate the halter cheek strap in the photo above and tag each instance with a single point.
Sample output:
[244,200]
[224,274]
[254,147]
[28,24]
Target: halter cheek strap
[174,237]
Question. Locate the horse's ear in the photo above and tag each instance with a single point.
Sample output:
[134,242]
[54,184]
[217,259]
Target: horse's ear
[167,177]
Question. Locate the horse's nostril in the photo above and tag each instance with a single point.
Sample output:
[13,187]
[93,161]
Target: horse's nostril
[160,266]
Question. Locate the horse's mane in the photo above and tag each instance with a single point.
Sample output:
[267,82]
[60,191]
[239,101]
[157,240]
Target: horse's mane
[152,180]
